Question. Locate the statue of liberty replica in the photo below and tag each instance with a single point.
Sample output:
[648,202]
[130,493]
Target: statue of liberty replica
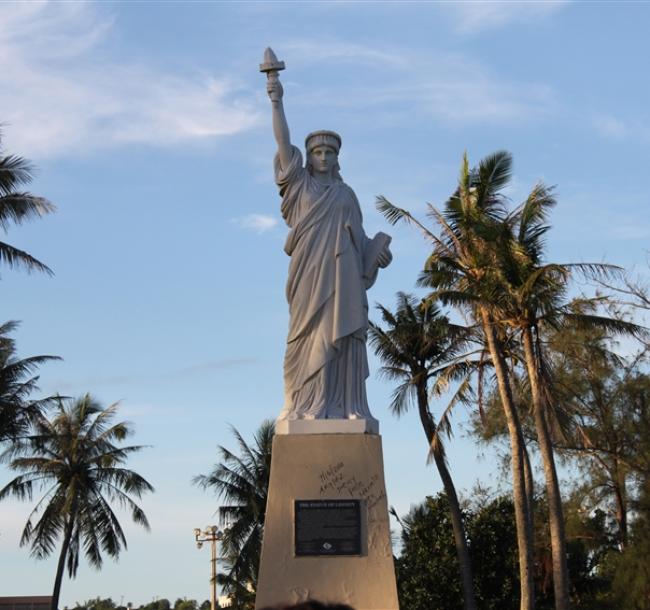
[326,530]
[333,263]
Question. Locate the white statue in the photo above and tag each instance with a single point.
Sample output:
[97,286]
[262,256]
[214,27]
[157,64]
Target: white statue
[332,265]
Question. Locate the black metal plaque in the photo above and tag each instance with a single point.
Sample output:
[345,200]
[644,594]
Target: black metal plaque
[327,527]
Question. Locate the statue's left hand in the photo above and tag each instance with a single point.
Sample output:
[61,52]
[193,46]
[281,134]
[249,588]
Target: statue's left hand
[384,258]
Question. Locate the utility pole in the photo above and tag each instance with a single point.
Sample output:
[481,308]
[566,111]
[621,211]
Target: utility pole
[211,534]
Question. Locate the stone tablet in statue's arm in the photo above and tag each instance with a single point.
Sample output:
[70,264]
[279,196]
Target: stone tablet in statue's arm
[376,254]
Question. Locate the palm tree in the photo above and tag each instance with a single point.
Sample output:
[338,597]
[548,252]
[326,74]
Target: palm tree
[16,206]
[532,292]
[74,457]
[419,346]
[462,270]
[17,383]
[535,300]
[243,482]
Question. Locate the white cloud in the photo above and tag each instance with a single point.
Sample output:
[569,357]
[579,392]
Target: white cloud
[260,223]
[61,93]
[309,52]
[610,126]
[450,87]
[474,16]
[615,128]
[174,374]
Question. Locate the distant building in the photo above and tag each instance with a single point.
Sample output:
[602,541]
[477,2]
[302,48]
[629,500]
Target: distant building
[27,602]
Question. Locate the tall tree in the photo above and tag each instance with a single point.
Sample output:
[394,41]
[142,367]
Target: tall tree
[17,206]
[536,300]
[419,346]
[17,382]
[463,271]
[608,400]
[531,294]
[76,459]
[243,482]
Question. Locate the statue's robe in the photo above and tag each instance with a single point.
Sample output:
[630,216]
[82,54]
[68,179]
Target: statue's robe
[325,365]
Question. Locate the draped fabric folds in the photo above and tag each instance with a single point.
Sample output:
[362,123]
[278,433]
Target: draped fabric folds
[325,365]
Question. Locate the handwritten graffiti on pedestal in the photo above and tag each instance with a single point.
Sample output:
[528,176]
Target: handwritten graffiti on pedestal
[335,478]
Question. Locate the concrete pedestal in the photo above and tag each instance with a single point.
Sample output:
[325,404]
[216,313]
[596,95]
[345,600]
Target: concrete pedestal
[327,467]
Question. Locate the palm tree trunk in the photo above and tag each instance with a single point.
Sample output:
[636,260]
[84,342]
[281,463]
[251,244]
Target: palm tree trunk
[458,528]
[620,493]
[530,483]
[555,513]
[521,500]
[530,491]
[67,535]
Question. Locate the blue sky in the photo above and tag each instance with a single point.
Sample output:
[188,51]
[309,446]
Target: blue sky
[150,127]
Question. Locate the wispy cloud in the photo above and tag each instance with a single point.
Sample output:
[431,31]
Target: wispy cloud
[171,375]
[610,126]
[450,87]
[64,93]
[478,15]
[616,128]
[260,223]
[308,52]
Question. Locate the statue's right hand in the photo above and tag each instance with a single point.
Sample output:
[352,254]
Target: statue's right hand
[274,89]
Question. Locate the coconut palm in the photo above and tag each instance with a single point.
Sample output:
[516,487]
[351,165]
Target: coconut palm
[418,347]
[535,299]
[243,482]
[462,270]
[76,459]
[17,383]
[529,292]
[16,206]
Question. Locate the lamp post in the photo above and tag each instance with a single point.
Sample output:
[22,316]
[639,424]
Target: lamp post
[210,534]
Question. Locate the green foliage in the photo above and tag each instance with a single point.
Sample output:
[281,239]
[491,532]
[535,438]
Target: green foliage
[17,206]
[17,383]
[427,569]
[419,346]
[186,604]
[493,546]
[159,604]
[243,482]
[631,585]
[76,458]
[96,604]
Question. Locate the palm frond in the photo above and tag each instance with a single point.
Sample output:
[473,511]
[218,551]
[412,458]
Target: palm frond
[611,325]
[394,214]
[15,259]
[15,208]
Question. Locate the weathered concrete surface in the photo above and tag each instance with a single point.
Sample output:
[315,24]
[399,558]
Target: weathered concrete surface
[328,467]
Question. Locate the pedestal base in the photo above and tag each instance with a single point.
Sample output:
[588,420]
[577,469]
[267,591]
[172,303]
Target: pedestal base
[327,467]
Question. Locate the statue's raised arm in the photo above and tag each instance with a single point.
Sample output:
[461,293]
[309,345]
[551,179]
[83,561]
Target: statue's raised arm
[271,66]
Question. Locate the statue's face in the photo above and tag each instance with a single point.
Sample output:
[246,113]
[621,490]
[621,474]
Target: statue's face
[323,159]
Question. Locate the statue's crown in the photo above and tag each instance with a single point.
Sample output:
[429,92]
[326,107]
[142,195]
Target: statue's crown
[323,137]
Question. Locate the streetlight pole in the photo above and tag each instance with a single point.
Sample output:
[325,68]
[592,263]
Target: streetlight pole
[211,534]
